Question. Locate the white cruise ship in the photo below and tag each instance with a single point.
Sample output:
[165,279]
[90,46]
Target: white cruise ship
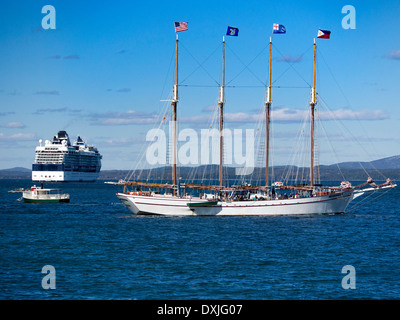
[59,160]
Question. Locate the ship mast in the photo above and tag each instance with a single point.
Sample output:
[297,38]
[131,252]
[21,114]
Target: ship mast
[268,103]
[221,115]
[312,105]
[174,105]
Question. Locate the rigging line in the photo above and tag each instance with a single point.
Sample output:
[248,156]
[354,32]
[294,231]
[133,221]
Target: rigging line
[347,100]
[199,85]
[272,149]
[291,66]
[299,151]
[343,127]
[307,145]
[200,65]
[353,137]
[194,171]
[262,145]
[247,66]
[141,155]
[287,173]
[317,150]
[213,123]
[290,87]
[330,146]
[257,137]
[364,203]
[166,77]
[330,71]
[246,86]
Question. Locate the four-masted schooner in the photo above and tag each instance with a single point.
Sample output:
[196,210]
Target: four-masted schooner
[244,199]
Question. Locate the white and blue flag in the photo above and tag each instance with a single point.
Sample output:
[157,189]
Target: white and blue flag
[278,28]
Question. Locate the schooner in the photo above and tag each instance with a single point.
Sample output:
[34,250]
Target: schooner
[244,199]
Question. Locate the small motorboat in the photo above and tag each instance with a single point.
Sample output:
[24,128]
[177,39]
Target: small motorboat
[39,194]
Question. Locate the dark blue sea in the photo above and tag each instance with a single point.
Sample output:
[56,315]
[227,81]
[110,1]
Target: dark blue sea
[99,250]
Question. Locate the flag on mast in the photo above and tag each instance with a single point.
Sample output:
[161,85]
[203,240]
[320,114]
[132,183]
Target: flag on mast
[181,26]
[278,28]
[232,31]
[324,34]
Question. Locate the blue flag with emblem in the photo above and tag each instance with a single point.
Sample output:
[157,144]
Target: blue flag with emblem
[232,32]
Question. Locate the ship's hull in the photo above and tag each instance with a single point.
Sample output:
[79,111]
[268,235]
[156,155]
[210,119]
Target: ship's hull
[64,176]
[43,196]
[328,204]
[158,205]
[29,200]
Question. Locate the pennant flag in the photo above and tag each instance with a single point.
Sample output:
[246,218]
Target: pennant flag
[232,31]
[324,34]
[181,26]
[278,28]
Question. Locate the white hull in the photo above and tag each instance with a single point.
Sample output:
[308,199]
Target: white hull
[161,205]
[64,176]
[172,206]
[36,194]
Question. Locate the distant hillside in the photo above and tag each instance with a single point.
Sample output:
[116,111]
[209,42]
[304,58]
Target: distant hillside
[326,173]
[378,169]
[385,163]
[16,173]
[17,169]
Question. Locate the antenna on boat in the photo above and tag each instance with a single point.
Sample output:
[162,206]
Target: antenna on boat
[221,115]
[312,105]
[268,103]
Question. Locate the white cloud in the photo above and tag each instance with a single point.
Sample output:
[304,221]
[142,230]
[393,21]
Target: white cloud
[347,114]
[18,137]
[124,90]
[289,58]
[54,110]
[51,92]
[133,117]
[124,141]
[394,54]
[130,117]
[13,125]
[294,115]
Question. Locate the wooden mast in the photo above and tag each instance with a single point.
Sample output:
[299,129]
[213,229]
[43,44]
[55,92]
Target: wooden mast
[174,105]
[267,112]
[312,105]
[221,115]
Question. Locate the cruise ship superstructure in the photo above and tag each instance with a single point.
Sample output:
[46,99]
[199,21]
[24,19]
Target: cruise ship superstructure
[59,160]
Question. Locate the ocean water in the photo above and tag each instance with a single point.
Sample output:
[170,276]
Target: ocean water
[99,250]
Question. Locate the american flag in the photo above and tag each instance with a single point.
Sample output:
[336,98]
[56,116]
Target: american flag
[181,26]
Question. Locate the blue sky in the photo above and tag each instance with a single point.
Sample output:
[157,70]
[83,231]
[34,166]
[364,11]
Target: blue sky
[102,73]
